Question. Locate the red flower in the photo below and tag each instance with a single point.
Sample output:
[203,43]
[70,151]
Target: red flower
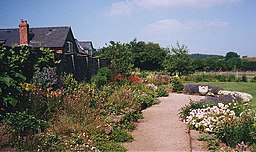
[134,79]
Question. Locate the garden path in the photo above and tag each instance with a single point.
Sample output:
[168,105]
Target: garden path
[161,128]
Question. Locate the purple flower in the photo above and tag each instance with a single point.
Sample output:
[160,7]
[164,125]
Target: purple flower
[222,99]
[193,88]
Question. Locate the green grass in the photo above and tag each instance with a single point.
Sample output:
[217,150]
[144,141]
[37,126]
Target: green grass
[247,87]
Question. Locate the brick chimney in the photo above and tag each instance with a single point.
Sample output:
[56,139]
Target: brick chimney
[24,32]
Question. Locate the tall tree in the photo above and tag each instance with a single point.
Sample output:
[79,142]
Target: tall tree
[231,55]
[179,62]
[147,56]
[119,55]
[233,61]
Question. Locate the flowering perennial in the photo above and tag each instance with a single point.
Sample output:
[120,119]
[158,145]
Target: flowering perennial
[207,119]
[246,97]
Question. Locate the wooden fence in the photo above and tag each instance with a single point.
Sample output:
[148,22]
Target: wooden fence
[238,74]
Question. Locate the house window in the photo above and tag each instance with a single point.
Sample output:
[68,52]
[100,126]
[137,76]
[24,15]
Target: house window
[69,46]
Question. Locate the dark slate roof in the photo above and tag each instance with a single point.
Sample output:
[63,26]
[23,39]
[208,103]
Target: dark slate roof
[38,37]
[87,45]
[81,50]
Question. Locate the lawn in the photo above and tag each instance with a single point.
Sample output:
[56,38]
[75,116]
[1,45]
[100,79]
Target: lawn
[247,87]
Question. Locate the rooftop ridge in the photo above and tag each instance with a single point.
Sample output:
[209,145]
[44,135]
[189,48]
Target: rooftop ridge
[37,27]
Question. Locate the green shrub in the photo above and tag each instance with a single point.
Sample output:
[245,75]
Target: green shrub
[145,101]
[70,83]
[127,121]
[102,77]
[121,101]
[22,128]
[233,132]
[177,85]
[110,146]
[161,92]
[232,78]
[244,78]
[120,135]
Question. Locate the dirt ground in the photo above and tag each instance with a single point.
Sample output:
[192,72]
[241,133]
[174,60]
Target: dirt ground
[162,130]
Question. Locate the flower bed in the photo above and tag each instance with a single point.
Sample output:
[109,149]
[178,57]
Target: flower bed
[227,116]
[194,88]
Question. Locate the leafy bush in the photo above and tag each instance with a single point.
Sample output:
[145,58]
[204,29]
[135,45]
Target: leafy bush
[102,77]
[127,121]
[244,78]
[145,101]
[158,79]
[211,78]
[45,77]
[231,122]
[120,135]
[22,127]
[177,85]
[234,131]
[70,83]
[17,66]
[110,146]
[122,101]
[161,92]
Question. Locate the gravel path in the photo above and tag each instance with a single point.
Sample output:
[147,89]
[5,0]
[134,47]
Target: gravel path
[161,129]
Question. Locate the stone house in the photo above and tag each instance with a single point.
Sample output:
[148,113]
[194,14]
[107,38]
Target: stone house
[76,57]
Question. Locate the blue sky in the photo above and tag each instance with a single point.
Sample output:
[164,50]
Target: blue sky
[204,26]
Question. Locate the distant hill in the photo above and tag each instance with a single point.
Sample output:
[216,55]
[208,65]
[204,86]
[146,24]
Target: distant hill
[251,59]
[201,56]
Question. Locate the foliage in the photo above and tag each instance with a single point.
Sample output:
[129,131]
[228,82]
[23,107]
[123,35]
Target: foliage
[127,121]
[21,127]
[145,101]
[69,81]
[211,78]
[231,55]
[102,77]
[17,65]
[244,78]
[232,61]
[45,77]
[158,78]
[185,111]
[147,56]
[120,135]
[177,85]
[121,101]
[236,130]
[231,121]
[120,56]
[161,92]
[212,141]
[42,103]
[179,63]
[110,146]
[10,76]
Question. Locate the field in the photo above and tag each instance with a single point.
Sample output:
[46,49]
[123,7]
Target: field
[238,74]
[247,87]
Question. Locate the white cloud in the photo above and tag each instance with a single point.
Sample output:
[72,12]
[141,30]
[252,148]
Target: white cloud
[127,7]
[173,25]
